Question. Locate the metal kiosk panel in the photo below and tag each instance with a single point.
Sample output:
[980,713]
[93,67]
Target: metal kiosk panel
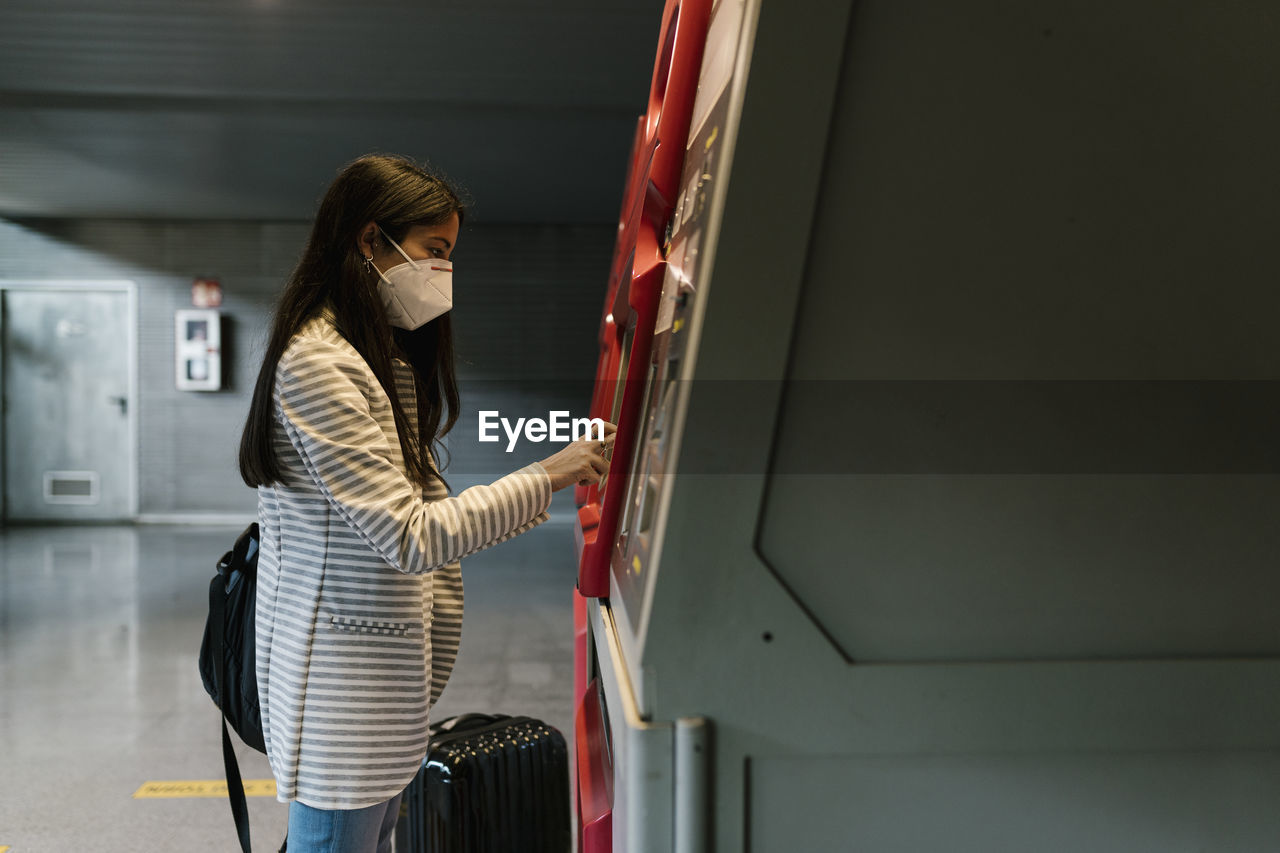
[945,550]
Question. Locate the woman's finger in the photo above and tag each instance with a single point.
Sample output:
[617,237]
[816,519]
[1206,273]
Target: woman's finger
[591,476]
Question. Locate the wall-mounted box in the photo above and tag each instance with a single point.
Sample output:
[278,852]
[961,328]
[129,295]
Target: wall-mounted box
[197,350]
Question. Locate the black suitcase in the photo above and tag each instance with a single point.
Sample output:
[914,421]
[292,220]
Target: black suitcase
[491,783]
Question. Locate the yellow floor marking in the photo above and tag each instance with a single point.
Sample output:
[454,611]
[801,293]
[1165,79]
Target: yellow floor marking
[2,849]
[211,788]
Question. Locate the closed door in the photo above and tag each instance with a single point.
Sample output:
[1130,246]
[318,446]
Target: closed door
[67,407]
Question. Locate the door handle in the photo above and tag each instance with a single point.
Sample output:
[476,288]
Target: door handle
[122,402]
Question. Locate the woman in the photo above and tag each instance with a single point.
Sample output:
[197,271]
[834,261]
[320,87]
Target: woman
[359,586]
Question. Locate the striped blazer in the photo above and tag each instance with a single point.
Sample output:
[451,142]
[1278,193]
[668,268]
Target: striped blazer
[359,611]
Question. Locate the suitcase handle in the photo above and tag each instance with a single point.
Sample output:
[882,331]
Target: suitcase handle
[465,721]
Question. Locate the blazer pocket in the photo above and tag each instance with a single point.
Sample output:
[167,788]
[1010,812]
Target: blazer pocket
[371,627]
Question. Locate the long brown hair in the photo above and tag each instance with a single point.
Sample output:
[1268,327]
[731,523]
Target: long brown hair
[397,193]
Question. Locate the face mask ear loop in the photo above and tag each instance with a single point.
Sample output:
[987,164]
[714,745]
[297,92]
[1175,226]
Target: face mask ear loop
[411,261]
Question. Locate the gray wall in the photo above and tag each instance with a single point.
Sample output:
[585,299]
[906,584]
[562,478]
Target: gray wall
[527,306]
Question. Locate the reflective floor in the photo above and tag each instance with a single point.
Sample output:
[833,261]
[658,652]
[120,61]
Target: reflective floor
[100,627]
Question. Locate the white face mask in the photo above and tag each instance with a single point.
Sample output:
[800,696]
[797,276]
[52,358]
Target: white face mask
[416,292]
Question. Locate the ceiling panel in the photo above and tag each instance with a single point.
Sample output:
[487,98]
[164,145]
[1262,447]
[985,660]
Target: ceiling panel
[246,108]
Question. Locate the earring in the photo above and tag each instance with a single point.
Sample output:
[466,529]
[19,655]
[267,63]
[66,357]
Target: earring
[368,264]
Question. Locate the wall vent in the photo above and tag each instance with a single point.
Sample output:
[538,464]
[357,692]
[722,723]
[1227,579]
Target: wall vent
[71,487]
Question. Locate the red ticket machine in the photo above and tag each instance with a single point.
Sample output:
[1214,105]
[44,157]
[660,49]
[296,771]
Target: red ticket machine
[587,498]
[594,775]
[627,331]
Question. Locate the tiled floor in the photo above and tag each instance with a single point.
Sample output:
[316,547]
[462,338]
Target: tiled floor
[99,692]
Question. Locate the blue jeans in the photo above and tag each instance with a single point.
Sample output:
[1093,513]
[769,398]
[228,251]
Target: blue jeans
[366,830]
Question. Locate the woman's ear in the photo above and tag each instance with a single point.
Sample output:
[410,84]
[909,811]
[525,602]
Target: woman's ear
[365,240]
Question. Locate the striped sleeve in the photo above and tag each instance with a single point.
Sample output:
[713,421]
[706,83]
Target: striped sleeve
[324,396]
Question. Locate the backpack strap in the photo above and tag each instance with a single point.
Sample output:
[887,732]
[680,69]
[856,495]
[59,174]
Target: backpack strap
[235,787]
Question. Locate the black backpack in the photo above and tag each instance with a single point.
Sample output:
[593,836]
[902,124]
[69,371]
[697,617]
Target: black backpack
[227,662]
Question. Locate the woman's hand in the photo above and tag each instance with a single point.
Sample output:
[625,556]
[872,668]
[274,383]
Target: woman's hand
[583,462]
